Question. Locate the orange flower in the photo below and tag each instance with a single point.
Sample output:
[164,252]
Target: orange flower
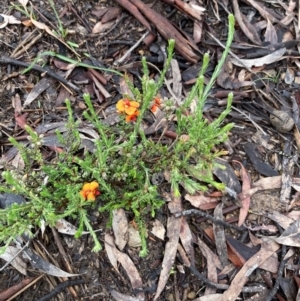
[127,106]
[155,104]
[89,191]
[133,116]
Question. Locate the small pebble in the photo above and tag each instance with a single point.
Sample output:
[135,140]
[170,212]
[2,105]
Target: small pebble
[82,105]
[191,295]
[281,121]
[170,297]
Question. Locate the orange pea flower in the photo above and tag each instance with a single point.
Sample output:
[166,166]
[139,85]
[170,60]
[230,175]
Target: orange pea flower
[155,104]
[133,116]
[89,191]
[127,106]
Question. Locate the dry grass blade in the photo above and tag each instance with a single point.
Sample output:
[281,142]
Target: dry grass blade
[43,26]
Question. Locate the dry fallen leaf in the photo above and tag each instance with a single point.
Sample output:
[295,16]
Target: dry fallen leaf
[23,2]
[101,27]
[173,231]
[109,248]
[247,28]
[120,228]
[132,272]
[212,264]
[158,229]
[11,255]
[265,60]
[43,265]
[245,202]
[219,234]
[8,20]
[186,238]
[122,297]
[43,26]
[271,34]
[201,201]
[39,88]
[291,236]
[249,267]
[211,297]
[65,227]
[134,238]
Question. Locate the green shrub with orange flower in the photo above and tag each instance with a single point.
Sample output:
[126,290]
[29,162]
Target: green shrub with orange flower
[118,172]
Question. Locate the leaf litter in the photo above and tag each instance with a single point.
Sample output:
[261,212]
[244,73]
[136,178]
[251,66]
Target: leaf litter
[266,39]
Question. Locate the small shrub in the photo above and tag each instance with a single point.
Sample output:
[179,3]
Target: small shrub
[122,164]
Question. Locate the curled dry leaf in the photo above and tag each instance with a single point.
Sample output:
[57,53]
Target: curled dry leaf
[8,20]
